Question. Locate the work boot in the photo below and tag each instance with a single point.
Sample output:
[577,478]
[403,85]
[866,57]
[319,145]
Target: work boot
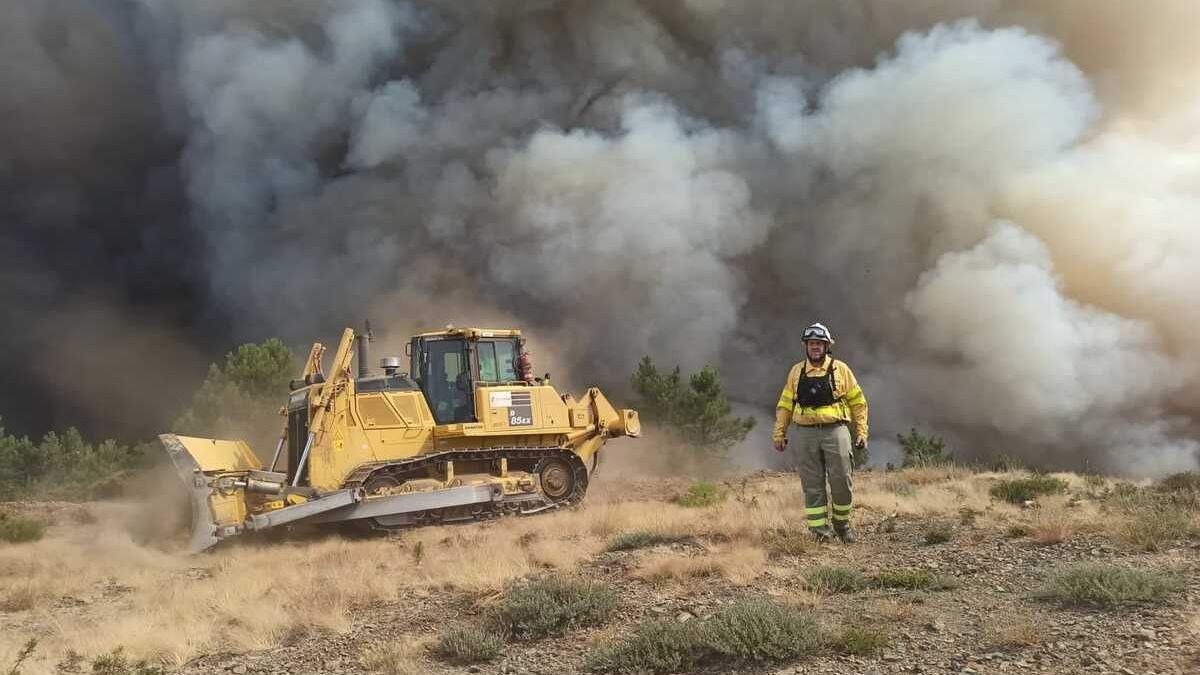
[822,533]
[844,533]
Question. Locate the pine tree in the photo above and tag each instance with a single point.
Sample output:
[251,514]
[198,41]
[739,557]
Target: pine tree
[699,414]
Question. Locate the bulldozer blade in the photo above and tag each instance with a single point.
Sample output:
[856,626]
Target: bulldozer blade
[193,457]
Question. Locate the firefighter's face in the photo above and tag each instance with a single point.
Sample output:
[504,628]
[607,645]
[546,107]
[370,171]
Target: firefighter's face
[816,349]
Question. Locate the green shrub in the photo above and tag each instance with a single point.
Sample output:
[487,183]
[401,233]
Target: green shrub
[67,468]
[922,450]
[760,631]
[701,495]
[1020,490]
[465,644]
[752,631]
[913,579]
[17,529]
[1187,481]
[938,533]
[1151,527]
[628,541]
[116,663]
[552,606]
[861,640]
[699,414]
[1105,585]
[654,647]
[1182,489]
[834,579]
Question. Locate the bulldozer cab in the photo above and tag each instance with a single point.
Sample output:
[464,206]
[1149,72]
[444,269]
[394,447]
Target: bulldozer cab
[446,366]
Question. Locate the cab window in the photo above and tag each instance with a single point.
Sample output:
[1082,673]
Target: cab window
[447,382]
[497,361]
[487,362]
[506,360]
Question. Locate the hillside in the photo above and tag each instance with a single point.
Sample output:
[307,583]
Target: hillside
[946,579]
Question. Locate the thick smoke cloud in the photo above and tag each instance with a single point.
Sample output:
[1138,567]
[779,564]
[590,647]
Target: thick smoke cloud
[992,203]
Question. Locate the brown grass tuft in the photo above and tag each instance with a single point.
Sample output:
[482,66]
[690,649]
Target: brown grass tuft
[1051,526]
[1012,631]
[739,564]
[405,656]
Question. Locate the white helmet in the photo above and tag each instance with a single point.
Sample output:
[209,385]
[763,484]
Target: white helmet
[818,331]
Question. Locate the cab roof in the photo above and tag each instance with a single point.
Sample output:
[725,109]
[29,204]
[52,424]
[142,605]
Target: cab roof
[472,333]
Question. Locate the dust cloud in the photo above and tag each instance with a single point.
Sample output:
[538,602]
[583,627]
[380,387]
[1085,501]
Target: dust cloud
[992,204]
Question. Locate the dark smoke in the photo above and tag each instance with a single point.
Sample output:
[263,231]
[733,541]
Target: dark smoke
[947,184]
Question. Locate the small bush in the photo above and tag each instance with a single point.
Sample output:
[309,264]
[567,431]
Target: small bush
[938,533]
[861,640]
[393,658]
[782,542]
[628,541]
[761,631]
[18,529]
[750,631]
[655,647]
[899,486]
[1182,489]
[701,495]
[833,579]
[1011,632]
[1107,586]
[1152,527]
[116,663]
[1021,490]
[967,516]
[1187,481]
[914,579]
[922,450]
[1006,463]
[1096,484]
[553,606]
[465,644]
[1050,532]
[1017,530]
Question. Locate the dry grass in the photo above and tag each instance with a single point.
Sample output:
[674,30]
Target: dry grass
[1050,526]
[1013,631]
[957,489]
[739,564]
[406,656]
[905,610]
[95,586]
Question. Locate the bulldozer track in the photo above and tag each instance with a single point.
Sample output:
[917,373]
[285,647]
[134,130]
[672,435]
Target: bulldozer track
[540,457]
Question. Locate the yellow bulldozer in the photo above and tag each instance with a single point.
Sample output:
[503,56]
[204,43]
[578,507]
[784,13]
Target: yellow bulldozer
[467,433]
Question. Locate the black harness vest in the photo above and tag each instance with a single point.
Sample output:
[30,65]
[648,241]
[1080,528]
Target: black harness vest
[816,392]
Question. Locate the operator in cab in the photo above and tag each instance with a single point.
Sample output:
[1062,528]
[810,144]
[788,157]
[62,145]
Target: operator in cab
[824,411]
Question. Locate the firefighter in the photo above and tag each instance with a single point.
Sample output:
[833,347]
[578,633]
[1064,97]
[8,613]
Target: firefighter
[821,399]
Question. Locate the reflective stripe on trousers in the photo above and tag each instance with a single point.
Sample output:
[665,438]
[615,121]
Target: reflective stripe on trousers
[824,454]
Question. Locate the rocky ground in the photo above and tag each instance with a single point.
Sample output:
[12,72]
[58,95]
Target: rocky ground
[990,623]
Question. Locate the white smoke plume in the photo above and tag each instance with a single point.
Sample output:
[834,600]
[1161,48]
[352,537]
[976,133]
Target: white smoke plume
[993,204]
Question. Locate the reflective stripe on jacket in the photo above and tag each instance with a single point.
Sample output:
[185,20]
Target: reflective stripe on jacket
[850,406]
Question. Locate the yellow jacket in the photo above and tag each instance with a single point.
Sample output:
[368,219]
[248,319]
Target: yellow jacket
[850,406]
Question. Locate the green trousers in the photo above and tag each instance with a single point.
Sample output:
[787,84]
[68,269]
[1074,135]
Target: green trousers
[825,455]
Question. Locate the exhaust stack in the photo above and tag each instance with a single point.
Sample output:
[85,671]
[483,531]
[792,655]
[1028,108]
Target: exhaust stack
[364,340]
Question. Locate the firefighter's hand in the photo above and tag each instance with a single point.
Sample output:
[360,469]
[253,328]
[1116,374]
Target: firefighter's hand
[780,445]
[861,443]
